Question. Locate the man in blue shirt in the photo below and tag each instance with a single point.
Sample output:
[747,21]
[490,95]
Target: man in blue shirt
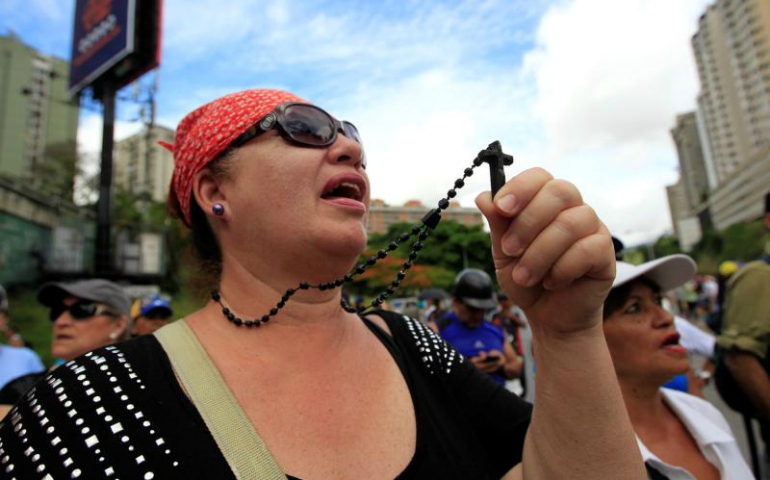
[467,329]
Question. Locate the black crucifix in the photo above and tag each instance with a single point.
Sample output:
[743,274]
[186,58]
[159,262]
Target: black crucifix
[494,156]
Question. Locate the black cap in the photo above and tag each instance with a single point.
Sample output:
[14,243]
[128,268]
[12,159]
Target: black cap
[473,287]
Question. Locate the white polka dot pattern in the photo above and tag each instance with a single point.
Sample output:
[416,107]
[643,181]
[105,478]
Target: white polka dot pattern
[80,417]
[435,353]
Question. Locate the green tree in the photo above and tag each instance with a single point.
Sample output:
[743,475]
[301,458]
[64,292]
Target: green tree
[451,247]
[55,174]
[666,245]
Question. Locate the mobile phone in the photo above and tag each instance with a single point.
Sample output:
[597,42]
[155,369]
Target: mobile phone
[491,359]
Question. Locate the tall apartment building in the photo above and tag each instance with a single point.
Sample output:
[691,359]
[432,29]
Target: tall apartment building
[37,117]
[692,167]
[732,54]
[382,216]
[141,166]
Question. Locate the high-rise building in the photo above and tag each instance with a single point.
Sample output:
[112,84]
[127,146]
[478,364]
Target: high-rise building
[692,167]
[732,53]
[382,216]
[141,166]
[38,119]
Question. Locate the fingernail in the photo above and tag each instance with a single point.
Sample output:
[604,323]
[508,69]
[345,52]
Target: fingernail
[511,246]
[507,203]
[521,275]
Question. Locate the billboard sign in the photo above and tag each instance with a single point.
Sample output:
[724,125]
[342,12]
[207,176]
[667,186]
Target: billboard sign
[104,35]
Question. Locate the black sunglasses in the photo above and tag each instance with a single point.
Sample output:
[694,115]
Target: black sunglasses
[83,310]
[303,124]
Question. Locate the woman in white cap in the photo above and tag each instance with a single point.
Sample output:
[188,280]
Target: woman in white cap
[277,196]
[681,437]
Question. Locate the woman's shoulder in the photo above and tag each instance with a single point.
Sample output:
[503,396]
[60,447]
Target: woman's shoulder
[421,343]
[689,405]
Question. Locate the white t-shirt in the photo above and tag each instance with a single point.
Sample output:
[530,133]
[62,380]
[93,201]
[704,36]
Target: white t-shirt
[712,434]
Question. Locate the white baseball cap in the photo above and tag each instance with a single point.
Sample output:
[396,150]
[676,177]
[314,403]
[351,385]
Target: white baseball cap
[667,272]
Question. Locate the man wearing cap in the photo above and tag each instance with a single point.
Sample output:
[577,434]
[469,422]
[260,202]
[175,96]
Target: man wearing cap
[15,361]
[151,314]
[467,329]
[744,344]
[85,315]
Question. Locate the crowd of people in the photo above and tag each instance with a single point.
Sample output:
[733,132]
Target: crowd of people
[560,367]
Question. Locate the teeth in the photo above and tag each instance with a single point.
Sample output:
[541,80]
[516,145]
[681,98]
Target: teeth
[352,186]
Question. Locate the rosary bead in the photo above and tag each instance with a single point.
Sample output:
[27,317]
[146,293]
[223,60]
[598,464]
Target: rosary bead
[459,183]
[281,304]
[407,265]
[390,290]
[424,235]
[401,275]
[226,311]
[238,321]
[432,218]
[416,229]
[304,285]
[265,318]
[215,295]
[468,172]
[382,254]
[273,311]
[322,286]
[371,261]
[360,269]
[404,237]
[478,161]
[417,246]
[248,323]
[412,255]
[393,246]
[339,282]
[348,278]
[443,204]
[451,193]
[377,302]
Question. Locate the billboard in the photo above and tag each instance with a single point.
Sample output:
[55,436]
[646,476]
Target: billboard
[114,41]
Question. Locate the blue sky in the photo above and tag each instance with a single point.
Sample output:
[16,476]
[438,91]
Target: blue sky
[587,89]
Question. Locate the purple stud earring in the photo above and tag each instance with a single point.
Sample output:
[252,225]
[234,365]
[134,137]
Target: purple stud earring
[218,210]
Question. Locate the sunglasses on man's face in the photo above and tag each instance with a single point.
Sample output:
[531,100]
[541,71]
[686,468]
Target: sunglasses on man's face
[81,311]
[303,124]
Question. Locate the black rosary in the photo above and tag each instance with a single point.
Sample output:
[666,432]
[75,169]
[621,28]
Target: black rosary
[493,155]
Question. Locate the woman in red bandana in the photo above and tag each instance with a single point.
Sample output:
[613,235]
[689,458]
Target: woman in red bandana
[288,382]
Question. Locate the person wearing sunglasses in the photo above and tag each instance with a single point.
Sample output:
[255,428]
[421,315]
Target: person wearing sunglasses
[84,315]
[276,194]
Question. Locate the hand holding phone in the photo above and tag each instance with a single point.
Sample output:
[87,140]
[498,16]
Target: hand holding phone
[491,359]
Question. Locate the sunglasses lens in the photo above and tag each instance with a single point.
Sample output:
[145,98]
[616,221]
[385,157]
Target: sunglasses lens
[56,312]
[83,310]
[308,125]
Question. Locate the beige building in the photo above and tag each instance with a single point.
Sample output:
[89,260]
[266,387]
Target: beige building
[38,119]
[143,167]
[692,167]
[732,53]
[382,216]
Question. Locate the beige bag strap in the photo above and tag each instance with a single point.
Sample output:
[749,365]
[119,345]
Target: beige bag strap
[239,442]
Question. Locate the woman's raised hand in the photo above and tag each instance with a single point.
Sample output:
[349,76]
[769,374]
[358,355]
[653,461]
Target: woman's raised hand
[554,257]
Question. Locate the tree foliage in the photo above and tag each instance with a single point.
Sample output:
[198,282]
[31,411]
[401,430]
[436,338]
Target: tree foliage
[450,248]
[55,174]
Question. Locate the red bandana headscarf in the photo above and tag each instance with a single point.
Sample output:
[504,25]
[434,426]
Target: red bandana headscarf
[207,131]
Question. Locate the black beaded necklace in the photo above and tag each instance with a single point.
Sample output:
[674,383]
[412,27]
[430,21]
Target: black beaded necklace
[493,155]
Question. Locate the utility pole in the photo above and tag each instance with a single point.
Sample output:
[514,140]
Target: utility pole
[104,218]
